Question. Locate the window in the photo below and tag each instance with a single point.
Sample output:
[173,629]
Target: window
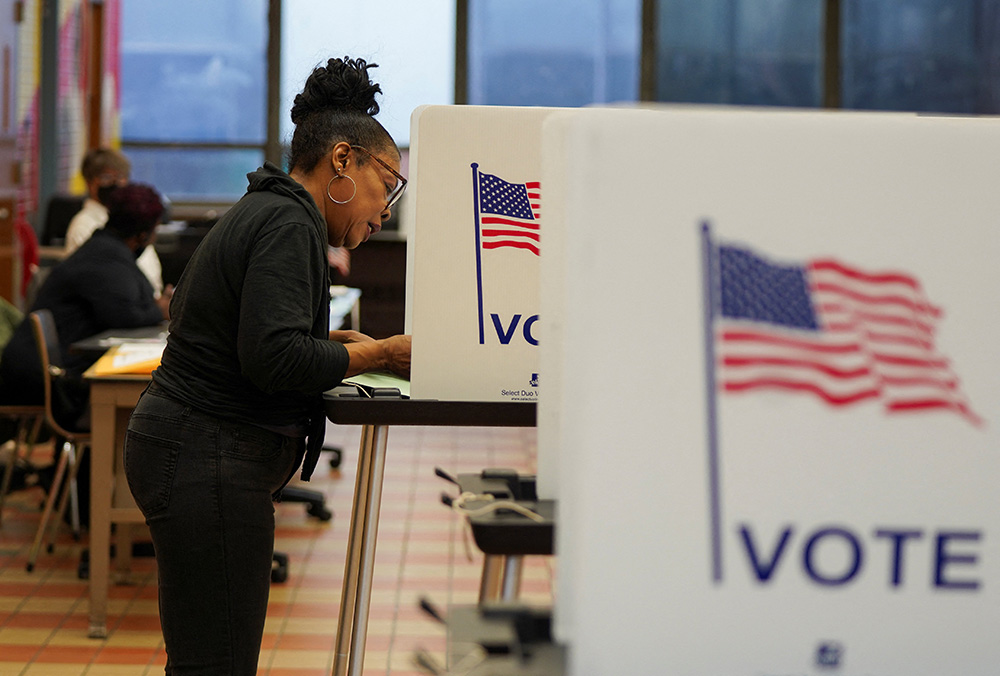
[916,55]
[194,93]
[922,55]
[750,52]
[412,42]
[195,74]
[554,53]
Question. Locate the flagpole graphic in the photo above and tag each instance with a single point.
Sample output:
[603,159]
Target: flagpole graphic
[715,499]
[507,215]
[479,249]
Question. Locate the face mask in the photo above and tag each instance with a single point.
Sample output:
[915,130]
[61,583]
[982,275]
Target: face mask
[104,191]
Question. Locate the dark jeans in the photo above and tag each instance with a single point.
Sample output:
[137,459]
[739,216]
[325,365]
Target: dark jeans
[204,485]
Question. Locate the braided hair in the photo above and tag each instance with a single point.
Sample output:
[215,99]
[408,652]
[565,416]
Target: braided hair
[337,104]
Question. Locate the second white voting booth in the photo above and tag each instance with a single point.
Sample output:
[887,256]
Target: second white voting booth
[476,220]
[784,457]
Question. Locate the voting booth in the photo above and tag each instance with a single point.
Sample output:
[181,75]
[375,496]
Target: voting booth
[476,228]
[784,459]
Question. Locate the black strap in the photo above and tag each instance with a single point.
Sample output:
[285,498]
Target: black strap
[314,442]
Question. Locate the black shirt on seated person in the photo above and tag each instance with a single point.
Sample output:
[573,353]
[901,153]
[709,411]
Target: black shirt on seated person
[99,287]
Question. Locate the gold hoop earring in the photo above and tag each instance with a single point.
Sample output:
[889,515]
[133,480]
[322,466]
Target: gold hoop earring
[335,201]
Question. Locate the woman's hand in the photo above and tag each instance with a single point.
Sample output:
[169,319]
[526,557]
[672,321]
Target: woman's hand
[397,350]
[367,354]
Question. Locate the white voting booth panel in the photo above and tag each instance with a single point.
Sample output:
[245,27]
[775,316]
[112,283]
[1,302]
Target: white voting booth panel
[785,459]
[476,233]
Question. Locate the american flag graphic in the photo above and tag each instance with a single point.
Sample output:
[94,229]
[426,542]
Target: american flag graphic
[832,331]
[508,213]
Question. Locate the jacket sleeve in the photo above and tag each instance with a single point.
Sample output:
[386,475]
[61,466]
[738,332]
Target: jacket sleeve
[282,293]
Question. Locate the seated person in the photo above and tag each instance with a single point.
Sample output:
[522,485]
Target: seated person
[103,170]
[99,287]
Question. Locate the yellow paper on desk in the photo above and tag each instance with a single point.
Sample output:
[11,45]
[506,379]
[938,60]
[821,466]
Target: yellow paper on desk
[130,358]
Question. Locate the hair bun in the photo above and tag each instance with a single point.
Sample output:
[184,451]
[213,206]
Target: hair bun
[342,85]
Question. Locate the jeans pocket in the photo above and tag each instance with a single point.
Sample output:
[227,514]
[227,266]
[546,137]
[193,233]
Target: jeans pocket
[150,463]
[245,442]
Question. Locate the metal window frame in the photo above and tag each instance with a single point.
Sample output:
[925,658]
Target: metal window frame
[271,146]
[831,69]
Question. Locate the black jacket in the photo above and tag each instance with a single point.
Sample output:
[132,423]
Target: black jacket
[249,320]
[99,287]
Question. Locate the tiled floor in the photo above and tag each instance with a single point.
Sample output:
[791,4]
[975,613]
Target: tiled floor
[421,552]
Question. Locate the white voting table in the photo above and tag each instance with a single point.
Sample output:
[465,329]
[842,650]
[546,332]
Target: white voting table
[377,415]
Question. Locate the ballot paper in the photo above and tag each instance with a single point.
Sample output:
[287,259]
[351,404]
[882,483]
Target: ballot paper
[135,358]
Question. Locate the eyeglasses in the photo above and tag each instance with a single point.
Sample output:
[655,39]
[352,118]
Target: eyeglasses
[397,191]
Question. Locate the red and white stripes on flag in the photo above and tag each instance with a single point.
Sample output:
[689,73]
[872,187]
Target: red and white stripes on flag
[871,336]
[509,213]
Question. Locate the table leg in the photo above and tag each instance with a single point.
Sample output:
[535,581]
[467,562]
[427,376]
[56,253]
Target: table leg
[348,596]
[123,553]
[380,435]
[490,582]
[511,588]
[101,479]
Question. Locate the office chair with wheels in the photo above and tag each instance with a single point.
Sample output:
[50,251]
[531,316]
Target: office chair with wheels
[74,442]
[314,500]
[315,503]
[316,507]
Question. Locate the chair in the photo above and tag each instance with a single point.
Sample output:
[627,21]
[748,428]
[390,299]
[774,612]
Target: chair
[59,212]
[316,507]
[74,442]
[28,420]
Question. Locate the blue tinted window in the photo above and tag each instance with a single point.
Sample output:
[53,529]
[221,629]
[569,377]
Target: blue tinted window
[412,42]
[194,70]
[752,52]
[555,53]
[194,73]
[922,55]
[194,174]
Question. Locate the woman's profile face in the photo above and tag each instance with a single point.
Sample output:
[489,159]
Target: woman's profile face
[352,223]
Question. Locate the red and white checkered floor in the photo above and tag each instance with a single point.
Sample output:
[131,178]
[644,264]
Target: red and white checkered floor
[422,552]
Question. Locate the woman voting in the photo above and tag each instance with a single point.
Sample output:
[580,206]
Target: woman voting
[223,426]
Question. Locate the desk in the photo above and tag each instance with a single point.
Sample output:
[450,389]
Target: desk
[344,407]
[98,344]
[112,399]
[513,640]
